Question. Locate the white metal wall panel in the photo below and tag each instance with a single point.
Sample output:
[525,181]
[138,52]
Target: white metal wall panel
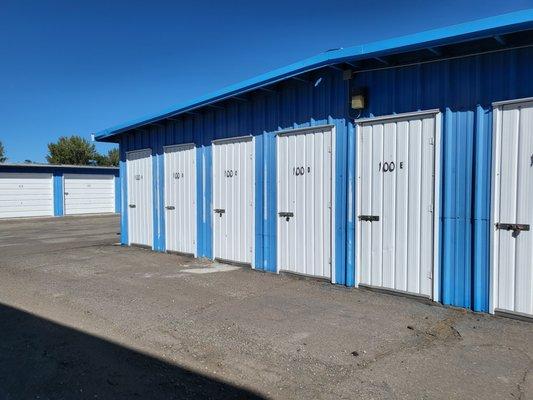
[180,198]
[396,189]
[513,204]
[89,193]
[26,195]
[140,197]
[304,174]
[233,199]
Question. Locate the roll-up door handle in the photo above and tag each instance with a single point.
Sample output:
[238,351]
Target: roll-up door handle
[66,193]
[219,211]
[170,207]
[369,218]
[286,215]
[132,205]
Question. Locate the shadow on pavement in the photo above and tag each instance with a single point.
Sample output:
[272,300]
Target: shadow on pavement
[40,359]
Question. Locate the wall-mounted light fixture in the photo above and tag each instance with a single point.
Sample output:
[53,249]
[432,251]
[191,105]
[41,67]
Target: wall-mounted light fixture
[358,99]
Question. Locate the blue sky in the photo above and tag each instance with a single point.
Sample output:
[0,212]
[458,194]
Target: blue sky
[77,67]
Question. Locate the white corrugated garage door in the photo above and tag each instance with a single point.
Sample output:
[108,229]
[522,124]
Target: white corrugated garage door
[305,198]
[180,198]
[89,194]
[512,242]
[233,200]
[140,197]
[396,202]
[26,195]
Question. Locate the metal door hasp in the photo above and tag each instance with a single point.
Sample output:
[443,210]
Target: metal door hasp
[286,215]
[370,218]
[512,227]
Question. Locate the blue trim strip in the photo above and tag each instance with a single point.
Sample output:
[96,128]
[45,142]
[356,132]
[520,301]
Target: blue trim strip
[482,206]
[205,230]
[124,195]
[58,194]
[199,202]
[118,190]
[260,217]
[351,264]
[340,199]
[271,219]
[157,190]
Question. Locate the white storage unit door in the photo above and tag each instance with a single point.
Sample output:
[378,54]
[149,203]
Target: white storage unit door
[513,209]
[180,198]
[233,200]
[89,194]
[304,201]
[396,198]
[26,195]
[140,198]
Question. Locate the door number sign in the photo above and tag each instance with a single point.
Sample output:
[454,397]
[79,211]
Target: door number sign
[298,171]
[230,173]
[388,166]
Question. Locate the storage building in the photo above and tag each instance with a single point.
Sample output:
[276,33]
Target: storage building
[404,165]
[43,190]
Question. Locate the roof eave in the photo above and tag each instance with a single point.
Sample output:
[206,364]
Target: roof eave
[501,24]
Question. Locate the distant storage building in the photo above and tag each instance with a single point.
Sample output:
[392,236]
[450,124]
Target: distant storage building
[41,190]
[404,165]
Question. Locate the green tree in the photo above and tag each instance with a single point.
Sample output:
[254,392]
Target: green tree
[110,160]
[73,150]
[3,157]
[113,156]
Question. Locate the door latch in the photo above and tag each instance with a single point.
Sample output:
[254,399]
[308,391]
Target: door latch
[219,211]
[512,227]
[170,207]
[369,218]
[131,205]
[286,215]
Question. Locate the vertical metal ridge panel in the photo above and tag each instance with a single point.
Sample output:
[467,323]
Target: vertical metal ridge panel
[123,191]
[351,206]
[118,194]
[463,89]
[482,179]
[58,194]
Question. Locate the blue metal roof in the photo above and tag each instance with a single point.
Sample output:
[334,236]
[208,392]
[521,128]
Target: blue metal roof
[478,29]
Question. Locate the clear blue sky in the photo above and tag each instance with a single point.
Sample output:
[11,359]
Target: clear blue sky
[76,67]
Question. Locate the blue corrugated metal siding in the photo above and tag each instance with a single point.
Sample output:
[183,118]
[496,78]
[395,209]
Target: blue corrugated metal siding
[58,194]
[463,89]
[118,197]
[295,104]
[123,197]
